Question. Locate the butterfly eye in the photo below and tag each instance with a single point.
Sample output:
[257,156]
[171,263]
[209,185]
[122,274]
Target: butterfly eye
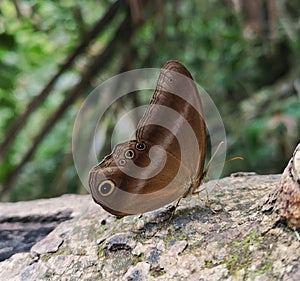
[129,154]
[140,146]
[106,187]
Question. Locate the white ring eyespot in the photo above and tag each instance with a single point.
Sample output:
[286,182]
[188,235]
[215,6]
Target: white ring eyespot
[171,78]
[106,188]
[140,146]
[122,162]
[129,154]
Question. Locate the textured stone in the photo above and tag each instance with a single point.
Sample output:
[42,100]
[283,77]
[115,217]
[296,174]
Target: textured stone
[139,272]
[49,244]
[120,241]
[83,242]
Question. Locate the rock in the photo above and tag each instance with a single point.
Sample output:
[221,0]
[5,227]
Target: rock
[178,247]
[49,244]
[139,272]
[22,224]
[72,238]
[139,249]
[219,272]
[120,241]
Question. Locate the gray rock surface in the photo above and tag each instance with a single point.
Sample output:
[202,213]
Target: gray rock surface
[72,238]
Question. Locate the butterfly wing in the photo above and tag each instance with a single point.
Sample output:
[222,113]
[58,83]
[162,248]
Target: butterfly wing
[174,118]
[166,160]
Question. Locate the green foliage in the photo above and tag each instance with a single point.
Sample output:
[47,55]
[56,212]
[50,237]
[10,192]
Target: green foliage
[32,46]
[240,74]
[208,38]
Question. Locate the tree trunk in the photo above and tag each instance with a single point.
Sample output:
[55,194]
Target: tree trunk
[284,201]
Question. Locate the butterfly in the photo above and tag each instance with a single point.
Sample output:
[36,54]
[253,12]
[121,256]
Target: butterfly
[165,161]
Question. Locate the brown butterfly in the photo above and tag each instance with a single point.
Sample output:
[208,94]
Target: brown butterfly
[165,161]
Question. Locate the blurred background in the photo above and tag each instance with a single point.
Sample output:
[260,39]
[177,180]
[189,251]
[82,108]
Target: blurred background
[245,54]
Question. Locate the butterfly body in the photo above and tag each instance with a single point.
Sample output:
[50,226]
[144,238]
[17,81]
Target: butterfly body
[165,161]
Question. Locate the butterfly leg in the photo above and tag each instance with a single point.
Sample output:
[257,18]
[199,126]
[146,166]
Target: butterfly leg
[207,201]
[173,209]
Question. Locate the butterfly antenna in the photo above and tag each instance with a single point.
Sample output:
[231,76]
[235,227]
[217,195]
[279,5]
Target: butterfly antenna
[213,156]
[234,158]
